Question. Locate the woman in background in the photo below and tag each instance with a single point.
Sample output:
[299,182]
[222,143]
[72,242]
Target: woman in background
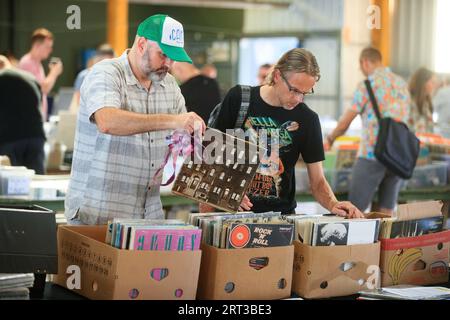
[421,87]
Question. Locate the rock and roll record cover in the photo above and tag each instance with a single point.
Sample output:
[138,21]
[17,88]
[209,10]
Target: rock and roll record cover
[256,235]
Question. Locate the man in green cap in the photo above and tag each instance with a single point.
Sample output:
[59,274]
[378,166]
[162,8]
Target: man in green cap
[128,106]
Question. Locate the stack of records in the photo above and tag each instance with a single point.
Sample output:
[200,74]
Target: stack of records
[331,230]
[15,286]
[149,234]
[243,230]
[406,292]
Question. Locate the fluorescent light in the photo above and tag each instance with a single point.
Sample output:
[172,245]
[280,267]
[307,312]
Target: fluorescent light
[442,45]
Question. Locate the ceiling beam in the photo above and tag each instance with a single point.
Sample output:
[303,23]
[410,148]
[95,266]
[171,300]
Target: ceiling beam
[222,4]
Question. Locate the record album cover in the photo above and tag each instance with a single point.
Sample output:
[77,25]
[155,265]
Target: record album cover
[222,176]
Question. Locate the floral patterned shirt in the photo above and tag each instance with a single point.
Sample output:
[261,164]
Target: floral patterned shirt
[393,98]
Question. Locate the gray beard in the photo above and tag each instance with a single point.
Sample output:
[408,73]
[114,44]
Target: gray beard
[155,77]
[152,75]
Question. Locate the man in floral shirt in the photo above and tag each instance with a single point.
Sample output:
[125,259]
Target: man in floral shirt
[392,95]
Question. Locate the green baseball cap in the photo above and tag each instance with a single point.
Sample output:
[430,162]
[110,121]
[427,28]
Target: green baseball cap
[168,33]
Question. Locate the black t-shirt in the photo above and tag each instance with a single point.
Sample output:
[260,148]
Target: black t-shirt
[20,117]
[299,131]
[202,94]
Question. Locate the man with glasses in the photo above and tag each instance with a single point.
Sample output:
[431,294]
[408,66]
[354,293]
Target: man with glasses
[128,106]
[278,107]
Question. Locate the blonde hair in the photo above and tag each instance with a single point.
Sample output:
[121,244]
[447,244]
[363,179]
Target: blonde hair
[297,60]
[39,35]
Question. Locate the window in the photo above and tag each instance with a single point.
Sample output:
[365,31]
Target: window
[235,165]
[212,172]
[195,182]
[219,159]
[222,175]
[228,162]
[243,183]
[226,193]
[241,154]
[442,45]
[253,52]
[233,196]
[190,164]
[183,178]
[229,178]
[249,170]
[198,167]
[233,151]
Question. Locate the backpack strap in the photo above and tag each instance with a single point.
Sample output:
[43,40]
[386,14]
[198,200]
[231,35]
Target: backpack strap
[245,103]
[373,100]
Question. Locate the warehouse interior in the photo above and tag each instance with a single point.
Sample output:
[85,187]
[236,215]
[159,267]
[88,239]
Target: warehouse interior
[235,38]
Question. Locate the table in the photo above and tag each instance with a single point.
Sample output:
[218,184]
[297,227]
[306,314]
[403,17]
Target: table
[55,292]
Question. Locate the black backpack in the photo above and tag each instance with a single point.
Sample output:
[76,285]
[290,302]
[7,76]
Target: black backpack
[245,102]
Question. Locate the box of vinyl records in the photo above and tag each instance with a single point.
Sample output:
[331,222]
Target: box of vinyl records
[248,273]
[334,271]
[415,245]
[421,260]
[89,266]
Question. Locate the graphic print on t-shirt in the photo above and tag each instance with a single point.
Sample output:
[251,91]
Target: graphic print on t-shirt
[267,181]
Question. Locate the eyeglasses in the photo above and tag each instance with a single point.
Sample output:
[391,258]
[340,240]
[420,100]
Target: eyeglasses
[295,90]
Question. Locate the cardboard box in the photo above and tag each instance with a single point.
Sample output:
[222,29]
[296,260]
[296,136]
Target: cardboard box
[110,273]
[419,260]
[418,210]
[226,274]
[324,272]
[377,215]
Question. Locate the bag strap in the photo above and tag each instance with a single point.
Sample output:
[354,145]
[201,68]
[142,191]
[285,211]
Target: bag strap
[373,100]
[245,103]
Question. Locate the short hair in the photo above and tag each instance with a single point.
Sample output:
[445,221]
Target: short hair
[39,35]
[372,54]
[296,60]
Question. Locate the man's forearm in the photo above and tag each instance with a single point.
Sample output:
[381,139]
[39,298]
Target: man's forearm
[123,123]
[48,83]
[337,132]
[324,195]
[342,126]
